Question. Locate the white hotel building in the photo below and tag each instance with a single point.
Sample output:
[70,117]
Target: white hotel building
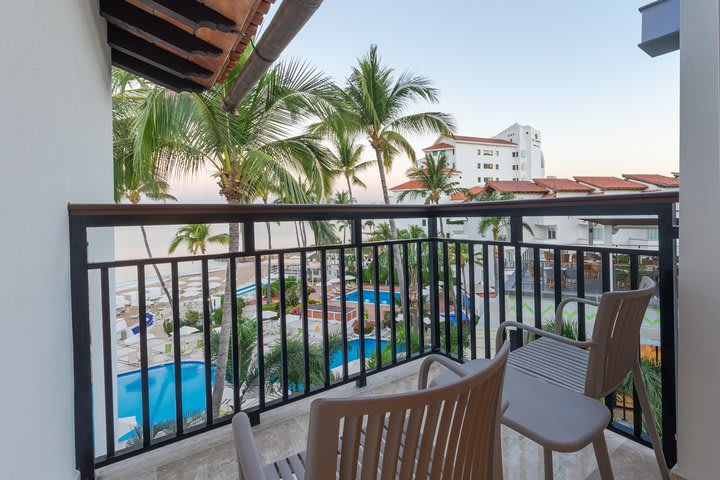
[513,162]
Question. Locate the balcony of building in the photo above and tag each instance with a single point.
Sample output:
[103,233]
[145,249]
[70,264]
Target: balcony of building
[336,318]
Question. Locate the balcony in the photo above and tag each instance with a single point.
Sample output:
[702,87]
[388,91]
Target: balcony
[365,312]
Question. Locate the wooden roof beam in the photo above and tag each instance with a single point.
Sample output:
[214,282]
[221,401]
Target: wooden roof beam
[130,44]
[157,75]
[193,14]
[132,18]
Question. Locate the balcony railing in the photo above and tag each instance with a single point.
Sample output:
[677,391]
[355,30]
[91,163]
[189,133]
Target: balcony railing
[443,312]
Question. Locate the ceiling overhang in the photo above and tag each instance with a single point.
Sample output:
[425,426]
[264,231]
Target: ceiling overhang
[184,45]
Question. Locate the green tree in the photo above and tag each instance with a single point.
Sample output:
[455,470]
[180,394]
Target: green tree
[376,105]
[197,237]
[435,179]
[346,158]
[183,133]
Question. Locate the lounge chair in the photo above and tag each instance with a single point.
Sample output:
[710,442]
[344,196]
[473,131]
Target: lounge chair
[448,432]
[553,383]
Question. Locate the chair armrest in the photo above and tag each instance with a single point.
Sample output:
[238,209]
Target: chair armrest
[444,361]
[503,326]
[249,464]
[561,307]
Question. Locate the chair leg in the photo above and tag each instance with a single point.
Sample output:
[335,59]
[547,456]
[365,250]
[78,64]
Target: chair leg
[650,421]
[603,458]
[497,456]
[548,461]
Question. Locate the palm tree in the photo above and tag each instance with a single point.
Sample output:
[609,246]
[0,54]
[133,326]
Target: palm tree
[190,131]
[196,236]
[377,105]
[435,179]
[264,189]
[346,158]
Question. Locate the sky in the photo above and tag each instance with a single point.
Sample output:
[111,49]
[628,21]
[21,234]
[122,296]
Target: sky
[570,69]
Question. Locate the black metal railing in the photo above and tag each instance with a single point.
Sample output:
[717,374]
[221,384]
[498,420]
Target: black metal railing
[443,311]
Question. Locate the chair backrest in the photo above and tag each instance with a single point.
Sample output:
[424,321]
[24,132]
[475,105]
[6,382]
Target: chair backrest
[617,335]
[445,432]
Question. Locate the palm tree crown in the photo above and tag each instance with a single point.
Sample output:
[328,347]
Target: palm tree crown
[435,179]
[197,237]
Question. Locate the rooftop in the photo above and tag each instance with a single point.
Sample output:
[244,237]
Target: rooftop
[495,141]
[663,181]
[562,185]
[515,186]
[611,183]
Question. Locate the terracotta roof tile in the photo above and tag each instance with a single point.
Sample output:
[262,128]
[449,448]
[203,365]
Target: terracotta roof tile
[262,7]
[438,146]
[654,179]
[611,183]
[461,197]
[562,185]
[495,141]
[515,186]
[409,185]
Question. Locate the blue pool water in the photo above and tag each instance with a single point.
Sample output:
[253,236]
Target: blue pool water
[354,351]
[161,386]
[161,389]
[369,297]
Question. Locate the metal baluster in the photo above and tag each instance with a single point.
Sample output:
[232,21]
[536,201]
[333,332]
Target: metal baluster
[459,301]
[324,294]
[421,314]
[580,275]
[391,281]
[637,412]
[378,319]
[486,298]
[538,287]
[283,328]
[177,352]
[473,316]
[343,315]
[359,280]
[304,307]
[406,294]
[206,342]
[260,332]
[446,294]
[107,339]
[144,381]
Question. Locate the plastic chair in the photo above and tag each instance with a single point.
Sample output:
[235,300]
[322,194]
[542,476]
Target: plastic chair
[553,383]
[449,432]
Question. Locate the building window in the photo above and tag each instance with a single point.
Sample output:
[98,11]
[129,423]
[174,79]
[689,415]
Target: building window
[424,222]
[479,150]
[489,166]
[552,233]
[515,179]
[497,153]
[596,233]
[486,179]
[435,154]
[515,154]
[516,167]
[497,166]
[488,153]
[652,233]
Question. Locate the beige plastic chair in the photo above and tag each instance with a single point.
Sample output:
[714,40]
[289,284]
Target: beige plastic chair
[553,383]
[449,432]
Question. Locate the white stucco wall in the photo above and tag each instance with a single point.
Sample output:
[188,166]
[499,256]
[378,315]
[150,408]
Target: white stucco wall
[699,325]
[56,147]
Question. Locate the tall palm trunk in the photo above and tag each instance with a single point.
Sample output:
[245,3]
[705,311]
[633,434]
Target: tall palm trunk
[268,296]
[352,199]
[155,267]
[225,330]
[393,234]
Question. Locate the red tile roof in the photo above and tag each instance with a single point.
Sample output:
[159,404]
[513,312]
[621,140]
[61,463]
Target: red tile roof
[495,141]
[438,146]
[409,185]
[654,179]
[461,197]
[562,185]
[515,186]
[611,183]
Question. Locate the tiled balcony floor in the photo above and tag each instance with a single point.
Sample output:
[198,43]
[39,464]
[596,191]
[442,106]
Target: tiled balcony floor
[283,431]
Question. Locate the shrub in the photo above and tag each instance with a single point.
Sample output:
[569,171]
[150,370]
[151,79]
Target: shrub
[369,327]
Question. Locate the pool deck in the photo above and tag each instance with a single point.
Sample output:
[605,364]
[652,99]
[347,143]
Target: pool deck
[283,431]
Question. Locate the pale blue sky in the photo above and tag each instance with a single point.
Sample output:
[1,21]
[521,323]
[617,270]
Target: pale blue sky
[569,68]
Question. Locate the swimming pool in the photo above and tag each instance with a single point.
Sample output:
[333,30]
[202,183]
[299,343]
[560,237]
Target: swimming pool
[161,390]
[369,297]
[161,386]
[354,351]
